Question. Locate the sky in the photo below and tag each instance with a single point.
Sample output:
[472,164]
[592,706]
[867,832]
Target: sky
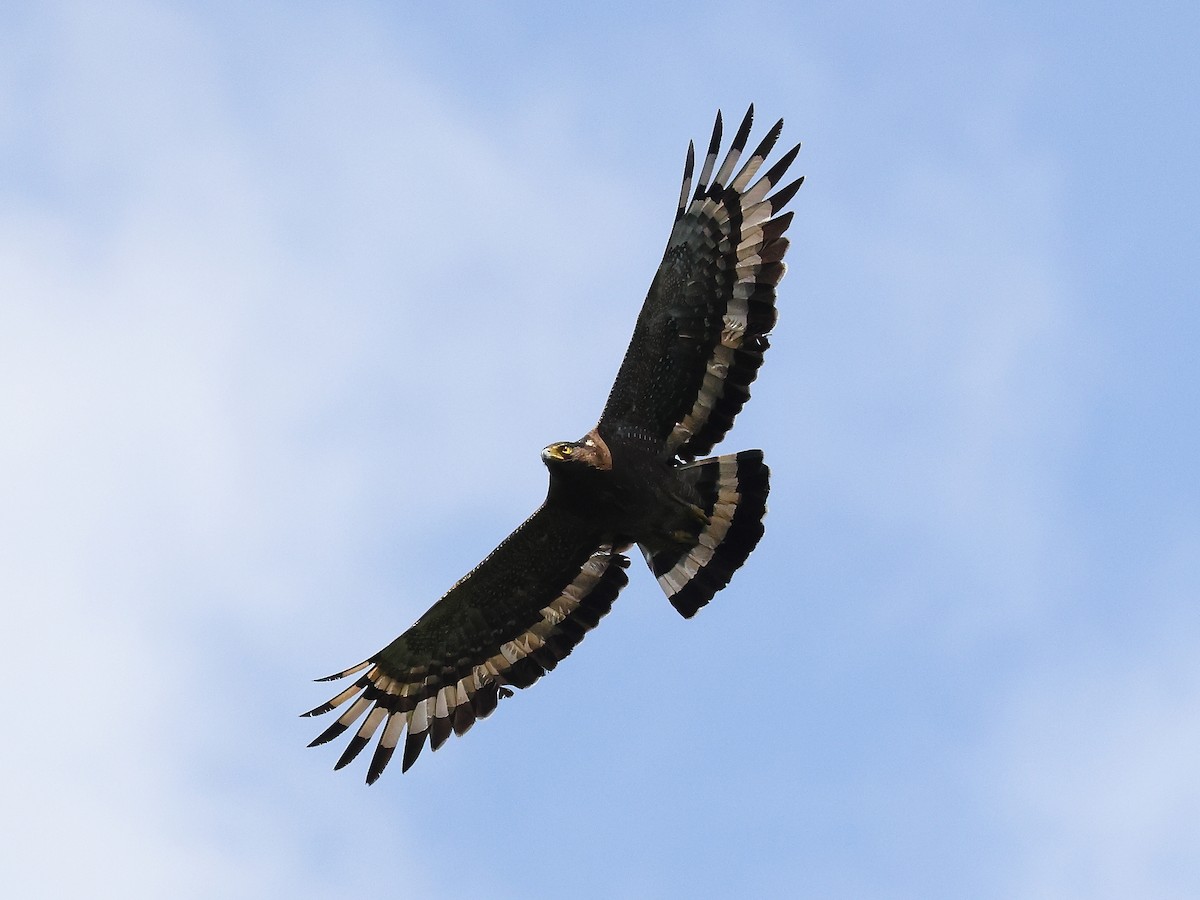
[291,296]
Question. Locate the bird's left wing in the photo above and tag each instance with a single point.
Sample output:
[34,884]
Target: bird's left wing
[508,622]
[702,331]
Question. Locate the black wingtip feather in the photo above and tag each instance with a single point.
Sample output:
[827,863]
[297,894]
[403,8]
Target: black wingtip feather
[774,228]
[352,750]
[743,132]
[464,718]
[685,187]
[710,157]
[439,730]
[767,144]
[714,143]
[780,198]
[414,743]
[773,252]
[379,760]
[328,734]
[770,274]
[689,166]
[775,173]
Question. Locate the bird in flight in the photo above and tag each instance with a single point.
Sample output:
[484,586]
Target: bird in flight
[633,479]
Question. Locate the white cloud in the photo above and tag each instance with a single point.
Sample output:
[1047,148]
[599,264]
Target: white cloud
[195,307]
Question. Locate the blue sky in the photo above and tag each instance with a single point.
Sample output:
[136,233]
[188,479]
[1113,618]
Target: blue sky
[291,297]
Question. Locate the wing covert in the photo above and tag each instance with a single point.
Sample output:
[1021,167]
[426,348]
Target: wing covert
[702,331]
[508,622]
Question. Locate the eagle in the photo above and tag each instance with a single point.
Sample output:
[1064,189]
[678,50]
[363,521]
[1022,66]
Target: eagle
[636,478]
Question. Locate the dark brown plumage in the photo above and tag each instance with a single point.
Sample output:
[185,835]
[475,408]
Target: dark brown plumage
[633,479]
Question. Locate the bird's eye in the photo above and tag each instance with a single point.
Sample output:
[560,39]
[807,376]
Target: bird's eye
[566,449]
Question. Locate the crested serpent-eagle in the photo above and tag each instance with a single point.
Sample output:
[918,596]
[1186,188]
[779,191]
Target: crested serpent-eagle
[633,479]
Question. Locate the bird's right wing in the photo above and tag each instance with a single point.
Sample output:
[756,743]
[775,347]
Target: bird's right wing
[509,621]
[702,331]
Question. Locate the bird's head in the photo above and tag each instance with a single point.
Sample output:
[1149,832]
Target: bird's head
[591,451]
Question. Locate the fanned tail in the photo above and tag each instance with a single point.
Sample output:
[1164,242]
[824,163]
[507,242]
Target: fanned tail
[733,491]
